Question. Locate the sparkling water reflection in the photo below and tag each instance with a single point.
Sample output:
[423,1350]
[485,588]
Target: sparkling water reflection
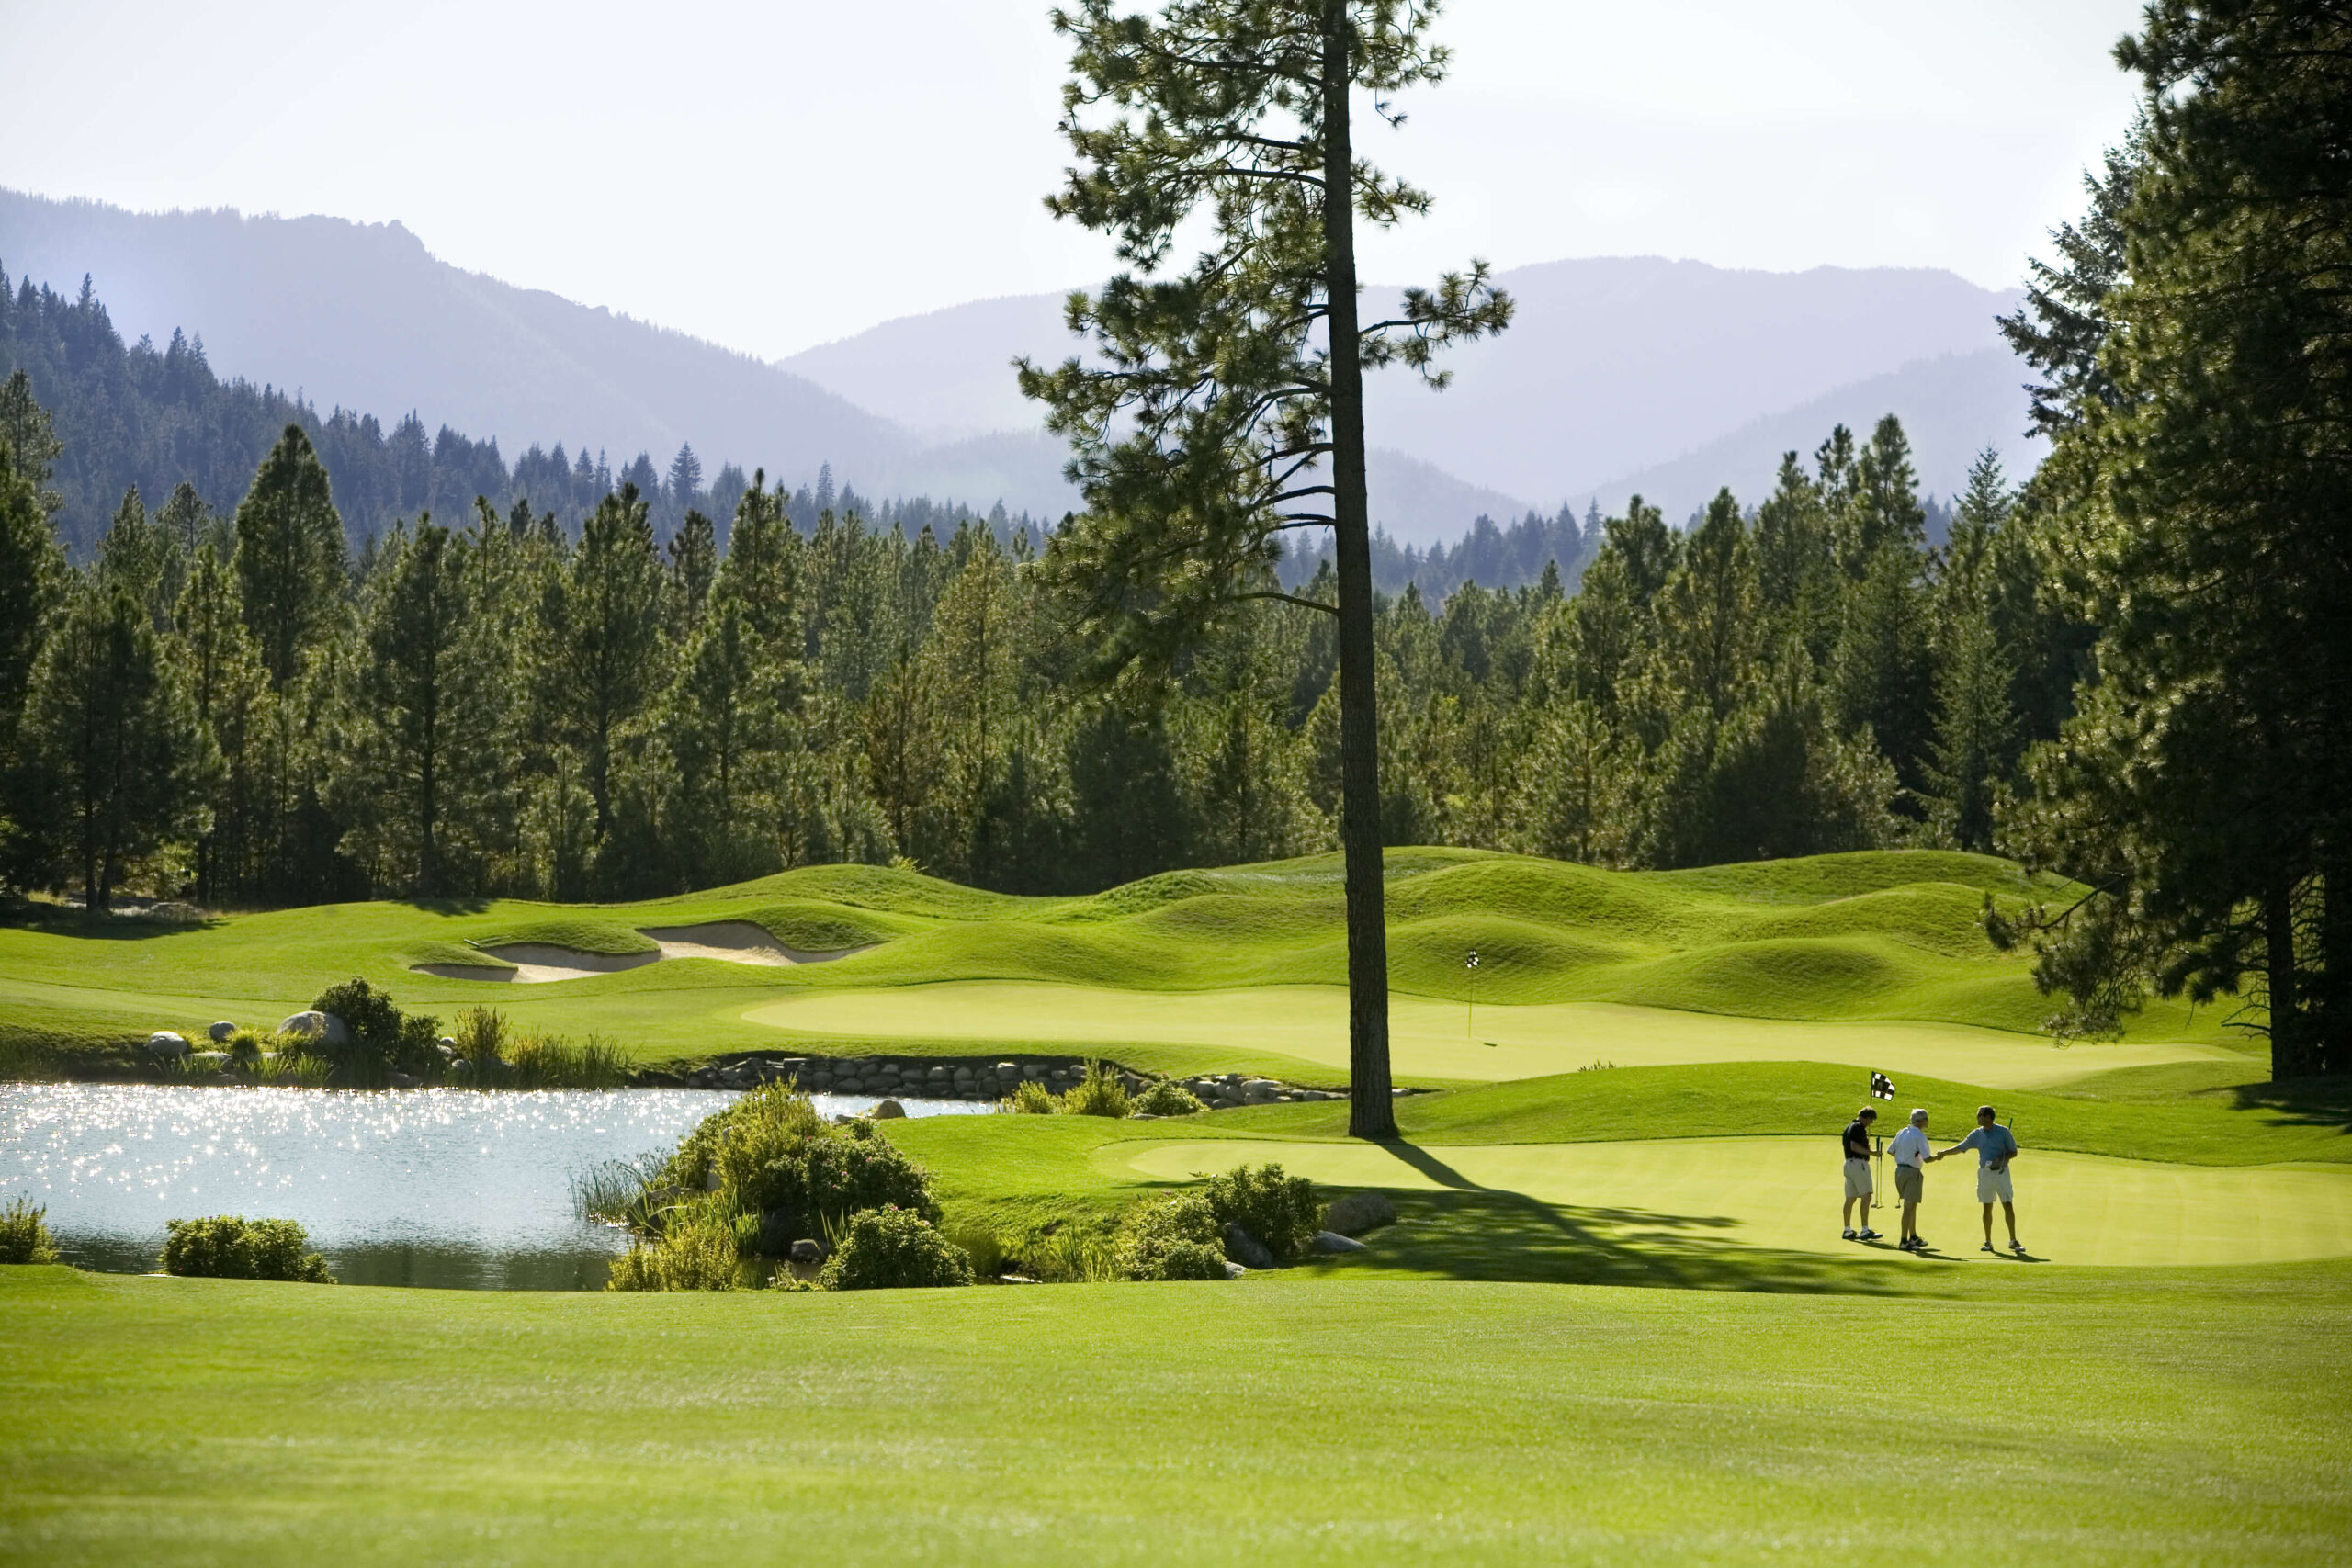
[419,1187]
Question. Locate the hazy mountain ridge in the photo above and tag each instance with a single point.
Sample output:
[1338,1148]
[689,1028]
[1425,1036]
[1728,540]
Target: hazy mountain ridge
[1619,374]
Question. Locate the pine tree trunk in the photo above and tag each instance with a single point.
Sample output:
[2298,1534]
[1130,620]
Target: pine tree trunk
[2334,1008]
[2288,1040]
[1371,1111]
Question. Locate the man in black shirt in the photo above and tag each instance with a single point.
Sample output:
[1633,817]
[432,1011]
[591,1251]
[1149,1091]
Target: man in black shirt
[1856,1142]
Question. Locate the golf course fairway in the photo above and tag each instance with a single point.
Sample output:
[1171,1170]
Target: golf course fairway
[1433,1039]
[1784,1193]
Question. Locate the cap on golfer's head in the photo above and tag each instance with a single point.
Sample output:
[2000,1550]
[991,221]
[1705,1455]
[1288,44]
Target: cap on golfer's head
[1919,1117]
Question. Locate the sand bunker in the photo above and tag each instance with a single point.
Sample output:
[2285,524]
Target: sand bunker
[729,941]
[538,963]
[734,941]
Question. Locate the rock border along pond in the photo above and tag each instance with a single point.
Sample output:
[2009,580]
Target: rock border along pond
[960,1077]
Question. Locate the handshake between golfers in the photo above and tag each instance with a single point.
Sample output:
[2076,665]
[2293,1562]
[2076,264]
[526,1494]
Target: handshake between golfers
[1996,1150]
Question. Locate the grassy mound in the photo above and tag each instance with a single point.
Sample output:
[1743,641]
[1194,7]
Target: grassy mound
[1880,936]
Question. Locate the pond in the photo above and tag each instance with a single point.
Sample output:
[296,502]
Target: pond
[446,1188]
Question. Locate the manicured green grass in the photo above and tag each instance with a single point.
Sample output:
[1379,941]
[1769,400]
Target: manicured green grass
[1302,1031]
[1883,938]
[2075,1416]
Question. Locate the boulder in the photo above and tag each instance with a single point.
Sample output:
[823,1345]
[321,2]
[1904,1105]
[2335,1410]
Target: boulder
[406,1080]
[1332,1241]
[219,1032]
[889,1111]
[322,1026]
[446,1044]
[1234,1271]
[165,1043]
[1357,1213]
[208,1061]
[807,1251]
[1244,1249]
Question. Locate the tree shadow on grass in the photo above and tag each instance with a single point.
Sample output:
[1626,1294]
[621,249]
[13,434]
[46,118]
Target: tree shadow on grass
[67,919]
[2300,1103]
[468,906]
[1465,1230]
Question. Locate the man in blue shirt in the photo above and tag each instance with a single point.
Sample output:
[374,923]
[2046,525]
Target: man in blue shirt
[1996,1149]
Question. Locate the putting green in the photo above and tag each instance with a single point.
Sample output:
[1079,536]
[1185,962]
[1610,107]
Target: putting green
[1433,1039]
[1785,1194]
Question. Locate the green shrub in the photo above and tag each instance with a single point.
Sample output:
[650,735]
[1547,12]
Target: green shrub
[1174,1238]
[245,1047]
[1030,1098]
[24,1234]
[1166,1098]
[1279,1210]
[890,1249]
[700,1249]
[772,1153]
[227,1248]
[382,1040]
[1099,1093]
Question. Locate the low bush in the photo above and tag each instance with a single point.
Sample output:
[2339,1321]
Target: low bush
[892,1249]
[772,1153]
[1099,1093]
[1166,1098]
[383,1039]
[227,1248]
[700,1249]
[1279,1210]
[1175,1237]
[24,1234]
[1030,1098]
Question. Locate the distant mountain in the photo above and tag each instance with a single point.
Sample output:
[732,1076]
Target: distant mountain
[1613,367]
[361,315]
[1614,370]
[1953,406]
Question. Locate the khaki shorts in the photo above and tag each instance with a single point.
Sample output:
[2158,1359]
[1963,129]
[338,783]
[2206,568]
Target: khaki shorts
[1992,1186]
[1857,1178]
[1909,1182]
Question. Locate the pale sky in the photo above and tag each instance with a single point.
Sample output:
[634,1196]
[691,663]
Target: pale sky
[778,174]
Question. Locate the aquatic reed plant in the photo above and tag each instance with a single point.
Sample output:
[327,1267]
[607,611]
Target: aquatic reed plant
[699,1249]
[1030,1098]
[1100,1093]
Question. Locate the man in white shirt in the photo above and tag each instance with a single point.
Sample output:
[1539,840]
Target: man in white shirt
[1911,1156]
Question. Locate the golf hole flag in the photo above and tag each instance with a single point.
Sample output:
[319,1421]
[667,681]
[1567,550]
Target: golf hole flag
[1882,1087]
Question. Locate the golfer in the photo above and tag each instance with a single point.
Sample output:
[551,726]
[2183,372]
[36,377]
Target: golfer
[1996,1149]
[1858,1187]
[1911,1156]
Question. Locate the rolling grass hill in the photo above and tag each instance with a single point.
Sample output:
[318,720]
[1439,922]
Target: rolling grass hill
[1870,938]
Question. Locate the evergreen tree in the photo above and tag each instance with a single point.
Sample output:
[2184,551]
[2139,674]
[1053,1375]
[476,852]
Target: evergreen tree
[289,559]
[423,732]
[2201,512]
[1972,752]
[600,624]
[1224,407]
[110,729]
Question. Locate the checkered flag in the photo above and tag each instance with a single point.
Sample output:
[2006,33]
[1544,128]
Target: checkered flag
[1882,1087]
